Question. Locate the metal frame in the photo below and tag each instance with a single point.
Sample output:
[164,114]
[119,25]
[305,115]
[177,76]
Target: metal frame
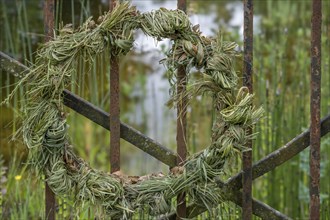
[231,188]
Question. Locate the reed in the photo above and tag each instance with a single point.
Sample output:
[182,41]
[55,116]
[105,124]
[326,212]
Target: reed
[282,65]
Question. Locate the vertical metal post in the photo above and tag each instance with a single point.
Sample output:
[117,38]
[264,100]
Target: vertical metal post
[247,81]
[315,101]
[114,109]
[181,125]
[49,11]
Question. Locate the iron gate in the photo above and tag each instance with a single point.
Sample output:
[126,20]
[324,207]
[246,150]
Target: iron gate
[231,189]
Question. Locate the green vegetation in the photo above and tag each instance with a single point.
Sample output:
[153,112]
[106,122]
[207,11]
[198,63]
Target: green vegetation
[282,80]
[281,84]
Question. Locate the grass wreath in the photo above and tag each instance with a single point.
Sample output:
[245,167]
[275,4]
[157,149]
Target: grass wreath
[44,127]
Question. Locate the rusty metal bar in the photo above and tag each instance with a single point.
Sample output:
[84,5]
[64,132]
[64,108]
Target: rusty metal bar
[315,104]
[50,203]
[114,109]
[112,4]
[49,11]
[114,115]
[247,81]
[49,14]
[268,163]
[181,124]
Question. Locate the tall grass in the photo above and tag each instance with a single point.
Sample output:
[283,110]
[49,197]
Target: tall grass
[282,76]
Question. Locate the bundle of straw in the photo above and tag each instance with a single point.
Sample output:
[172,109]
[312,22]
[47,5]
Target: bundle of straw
[44,125]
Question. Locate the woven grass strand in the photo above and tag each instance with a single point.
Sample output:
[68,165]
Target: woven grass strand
[44,127]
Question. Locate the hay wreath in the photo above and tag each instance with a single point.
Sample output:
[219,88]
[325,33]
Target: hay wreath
[44,126]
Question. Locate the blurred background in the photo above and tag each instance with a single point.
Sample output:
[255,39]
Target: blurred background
[281,84]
